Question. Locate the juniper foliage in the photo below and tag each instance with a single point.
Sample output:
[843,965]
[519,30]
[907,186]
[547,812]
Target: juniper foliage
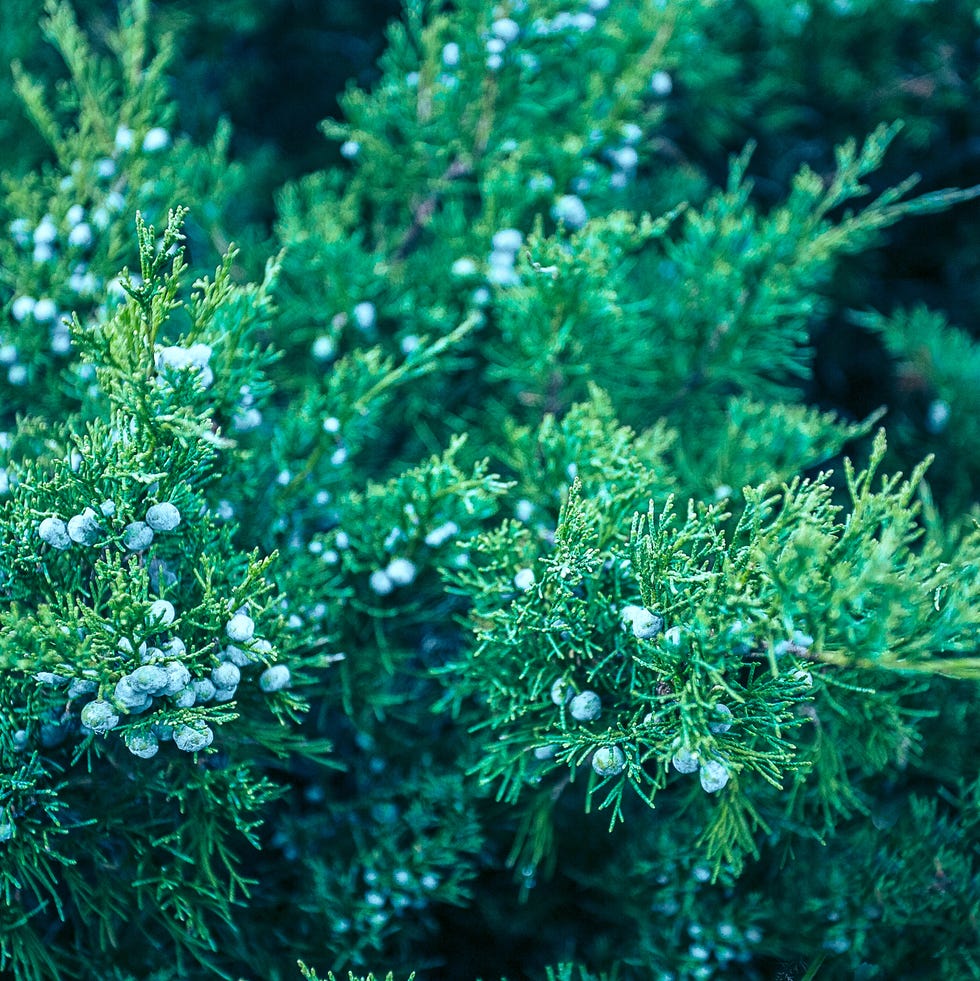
[462,580]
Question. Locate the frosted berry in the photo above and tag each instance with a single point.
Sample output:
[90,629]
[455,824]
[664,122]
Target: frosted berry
[240,628]
[84,528]
[442,534]
[450,54]
[937,416]
[142,744]
[236,656]
[175,647]
[381,582]
[161,613]
[661,84]
[131,697]
[524,580]
[23,307]
[714,776]
[192,739]
[464,267]
[506,29]
[585,706]
[401,571]
[185,698]
[562,691]
[50,678]
[162,517]
[45,310]
[507,240]
[365,315]
[55,532]
[150,678]
[260,645]
[226,675]
[607,761]
[81,686]
[570,210]
[647,625]
[203,689]
[80,236]
[685,761]
[723,719]
[99,716]
[178,678]
[125,645]
[156,139]
[137,536]
[274,678]
[629,613]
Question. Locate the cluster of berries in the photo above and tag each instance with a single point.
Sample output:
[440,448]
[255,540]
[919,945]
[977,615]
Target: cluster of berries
[85,528]
[161,674]
[585,706]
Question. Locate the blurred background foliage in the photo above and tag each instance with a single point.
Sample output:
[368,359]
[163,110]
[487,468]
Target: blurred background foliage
[797,79]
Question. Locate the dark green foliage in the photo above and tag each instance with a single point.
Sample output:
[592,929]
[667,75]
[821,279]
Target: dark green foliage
[462,574]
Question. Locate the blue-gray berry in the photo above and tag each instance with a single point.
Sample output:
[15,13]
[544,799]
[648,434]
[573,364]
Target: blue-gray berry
[151,655]
[99,716]
[55,532]
[162,731]
[178,677]
[240,628]
[192,739]
[585,706]
[235,655]
[562,691]
[607,761]
[129,696]
[226,675]
[203,689]
[647,625]
[142,744]
[137,536]
[185,698]
[150,678]
[724,719]
[685,761]
[84,528]
[175,647]
[274,678]
[401,571]
[629,613]
[570,210]
[161,613]
[50,678]
[714,776]
[162,517]
[81,686]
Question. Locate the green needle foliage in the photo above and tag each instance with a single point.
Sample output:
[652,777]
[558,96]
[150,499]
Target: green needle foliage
[471,575]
